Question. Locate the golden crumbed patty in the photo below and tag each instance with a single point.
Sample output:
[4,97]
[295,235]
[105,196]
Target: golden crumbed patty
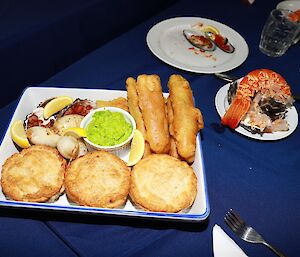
[163,183]
[98,179]
[36,174]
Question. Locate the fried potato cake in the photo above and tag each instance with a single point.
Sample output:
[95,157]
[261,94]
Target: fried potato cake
[152,105]
[186,119]
[98,179]
[35,174]
[163,183]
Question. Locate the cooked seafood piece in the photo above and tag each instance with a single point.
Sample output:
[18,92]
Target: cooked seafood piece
[187,120]
[36,174]
[82,147]
[232,91]
[152,106]
[295,16]
[120,102]
[221,42]
[42,136]
[79,106]
[44,103]
[199,40]
[68,147]
[65,122]
[36,118]
[273,108]
[260,102]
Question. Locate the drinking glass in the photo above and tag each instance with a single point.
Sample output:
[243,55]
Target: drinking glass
[278,33]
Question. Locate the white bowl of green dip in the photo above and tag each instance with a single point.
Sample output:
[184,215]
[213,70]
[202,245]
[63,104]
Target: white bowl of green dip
[109,129]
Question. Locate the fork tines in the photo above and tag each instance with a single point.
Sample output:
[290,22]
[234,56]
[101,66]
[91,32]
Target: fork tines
[234,221]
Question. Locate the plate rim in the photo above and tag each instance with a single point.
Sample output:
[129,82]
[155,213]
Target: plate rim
[192,217]
[220,101]
[158,52]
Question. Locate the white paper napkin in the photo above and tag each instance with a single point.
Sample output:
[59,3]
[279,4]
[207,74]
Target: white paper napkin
[223,245]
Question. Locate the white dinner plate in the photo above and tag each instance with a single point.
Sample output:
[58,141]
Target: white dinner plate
[221,102]
[289,5]
[33,96]
[166,41]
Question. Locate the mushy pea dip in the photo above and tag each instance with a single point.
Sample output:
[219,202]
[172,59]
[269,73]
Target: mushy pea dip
[108,128]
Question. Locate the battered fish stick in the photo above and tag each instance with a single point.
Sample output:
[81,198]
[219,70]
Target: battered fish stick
[134,109]
[187,120]
[173,148]
[152,105]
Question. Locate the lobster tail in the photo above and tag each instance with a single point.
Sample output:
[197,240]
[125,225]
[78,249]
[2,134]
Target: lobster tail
[238,108]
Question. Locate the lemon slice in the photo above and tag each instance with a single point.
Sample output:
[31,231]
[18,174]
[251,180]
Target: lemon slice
[18,134]
[209,28]
[75,132]
[137,148]
[56,104]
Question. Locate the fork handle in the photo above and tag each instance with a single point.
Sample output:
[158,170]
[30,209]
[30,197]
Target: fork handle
[279,253]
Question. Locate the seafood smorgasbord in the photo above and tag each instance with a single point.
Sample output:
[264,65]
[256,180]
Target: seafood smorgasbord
[158,124]
[259,103]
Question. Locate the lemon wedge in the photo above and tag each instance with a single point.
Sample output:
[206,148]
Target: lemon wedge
[137,148]
[18,134]
[75,132]
[209,28]
[56,104]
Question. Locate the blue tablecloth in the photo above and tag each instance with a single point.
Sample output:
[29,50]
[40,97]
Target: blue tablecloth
[40,38]
[260,180]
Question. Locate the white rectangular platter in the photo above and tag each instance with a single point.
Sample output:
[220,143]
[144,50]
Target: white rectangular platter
[32,97]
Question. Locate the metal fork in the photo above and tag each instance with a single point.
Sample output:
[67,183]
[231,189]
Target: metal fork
[247,233]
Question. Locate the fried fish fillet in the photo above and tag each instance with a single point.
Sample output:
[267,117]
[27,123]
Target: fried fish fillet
[152,105]
[163,183]
[35,174]
[173,148]
[187,120]
[120,102]
[134,109]
[98,179]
